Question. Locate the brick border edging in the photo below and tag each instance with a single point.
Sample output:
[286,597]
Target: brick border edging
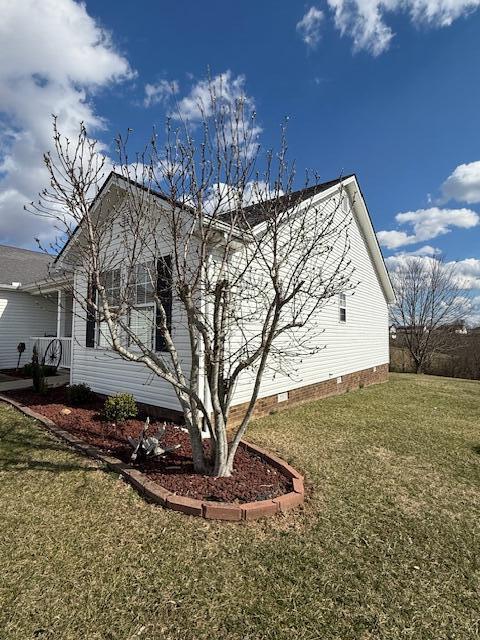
[156,493]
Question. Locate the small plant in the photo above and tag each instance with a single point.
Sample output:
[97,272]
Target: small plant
[361,385]
[149,446]
[120,407]
[47,369]
[78,394]
[38,376]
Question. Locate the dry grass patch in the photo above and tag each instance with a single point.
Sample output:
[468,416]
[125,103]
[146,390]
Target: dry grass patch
[387,546]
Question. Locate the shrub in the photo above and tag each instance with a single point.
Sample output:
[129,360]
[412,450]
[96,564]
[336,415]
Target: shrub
[47,369]
[120,407]
[78,394]
[28,369]
[38,377]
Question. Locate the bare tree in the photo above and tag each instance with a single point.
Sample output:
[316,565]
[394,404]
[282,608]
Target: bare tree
[176,248]
[430,302]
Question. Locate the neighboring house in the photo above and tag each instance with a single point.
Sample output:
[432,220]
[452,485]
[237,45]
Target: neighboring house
[356,330]
[25,315]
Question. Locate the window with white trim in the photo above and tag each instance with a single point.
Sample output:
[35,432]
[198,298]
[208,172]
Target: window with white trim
[143,310]
[112,281]
[342,307]
[143,313]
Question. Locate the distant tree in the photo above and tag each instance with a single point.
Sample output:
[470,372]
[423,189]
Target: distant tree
[430,301]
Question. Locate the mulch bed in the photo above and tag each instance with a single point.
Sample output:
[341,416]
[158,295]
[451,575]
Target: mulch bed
[252,478]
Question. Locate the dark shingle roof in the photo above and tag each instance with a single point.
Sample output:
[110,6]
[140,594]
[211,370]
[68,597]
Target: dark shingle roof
[22,265]
[260,211]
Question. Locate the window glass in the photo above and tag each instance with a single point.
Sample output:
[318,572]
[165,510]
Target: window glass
[342,307]
[142,290]
[104,339]
[111,281]
[142,323]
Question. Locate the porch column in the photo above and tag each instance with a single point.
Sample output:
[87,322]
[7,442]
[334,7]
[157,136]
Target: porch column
[59,313]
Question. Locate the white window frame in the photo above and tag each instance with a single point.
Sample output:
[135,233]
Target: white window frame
[102,340]
[147,304]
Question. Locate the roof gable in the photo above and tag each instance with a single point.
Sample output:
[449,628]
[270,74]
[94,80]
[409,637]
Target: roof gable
[257,213]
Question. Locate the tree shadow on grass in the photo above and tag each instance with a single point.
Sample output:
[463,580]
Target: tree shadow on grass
[15,440]
[18,446]
[20,465]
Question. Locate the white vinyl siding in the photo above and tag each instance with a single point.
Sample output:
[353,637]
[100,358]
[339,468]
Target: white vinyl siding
[106,372]
[21,316]
[358,343]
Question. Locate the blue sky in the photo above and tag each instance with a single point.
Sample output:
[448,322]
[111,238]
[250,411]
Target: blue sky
[395,98]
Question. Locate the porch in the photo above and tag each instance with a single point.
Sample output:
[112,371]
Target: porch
[57,348]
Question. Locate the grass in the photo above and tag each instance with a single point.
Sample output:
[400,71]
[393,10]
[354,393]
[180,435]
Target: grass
[387,547]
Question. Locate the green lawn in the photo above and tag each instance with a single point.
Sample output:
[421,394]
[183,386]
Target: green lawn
[388,545]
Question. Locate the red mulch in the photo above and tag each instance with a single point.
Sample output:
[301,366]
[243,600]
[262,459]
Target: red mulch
[252,478]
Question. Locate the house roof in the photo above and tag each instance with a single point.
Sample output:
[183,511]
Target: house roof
[22,265]
[260,211]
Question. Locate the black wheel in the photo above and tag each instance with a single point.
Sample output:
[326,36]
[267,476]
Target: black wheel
[53,354]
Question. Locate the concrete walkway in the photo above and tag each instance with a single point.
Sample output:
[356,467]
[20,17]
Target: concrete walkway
[7,383]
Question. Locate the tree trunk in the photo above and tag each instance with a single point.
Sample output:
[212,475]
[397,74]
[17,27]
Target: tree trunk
[221,468]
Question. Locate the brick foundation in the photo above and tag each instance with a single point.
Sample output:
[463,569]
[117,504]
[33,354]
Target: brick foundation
[331,387]
[269,404]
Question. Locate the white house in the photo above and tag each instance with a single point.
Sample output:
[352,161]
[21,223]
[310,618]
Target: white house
[25,315]
[355,327]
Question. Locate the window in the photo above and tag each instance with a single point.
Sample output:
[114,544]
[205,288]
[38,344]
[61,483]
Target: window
[142,313]
[111,280]
[342,303]
[164,293]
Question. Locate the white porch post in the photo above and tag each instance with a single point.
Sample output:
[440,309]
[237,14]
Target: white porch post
[59,313]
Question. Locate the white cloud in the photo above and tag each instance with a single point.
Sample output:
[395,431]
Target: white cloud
[468,272]
[427,224]
[426,250]
[394,239]
[224,197]
[364,20]
[224,88]
[463,184]
[58,56]
[160,92]
[309,27]
[222,93]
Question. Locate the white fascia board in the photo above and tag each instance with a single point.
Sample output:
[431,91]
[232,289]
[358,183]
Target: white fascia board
[43,287]
[370,237]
